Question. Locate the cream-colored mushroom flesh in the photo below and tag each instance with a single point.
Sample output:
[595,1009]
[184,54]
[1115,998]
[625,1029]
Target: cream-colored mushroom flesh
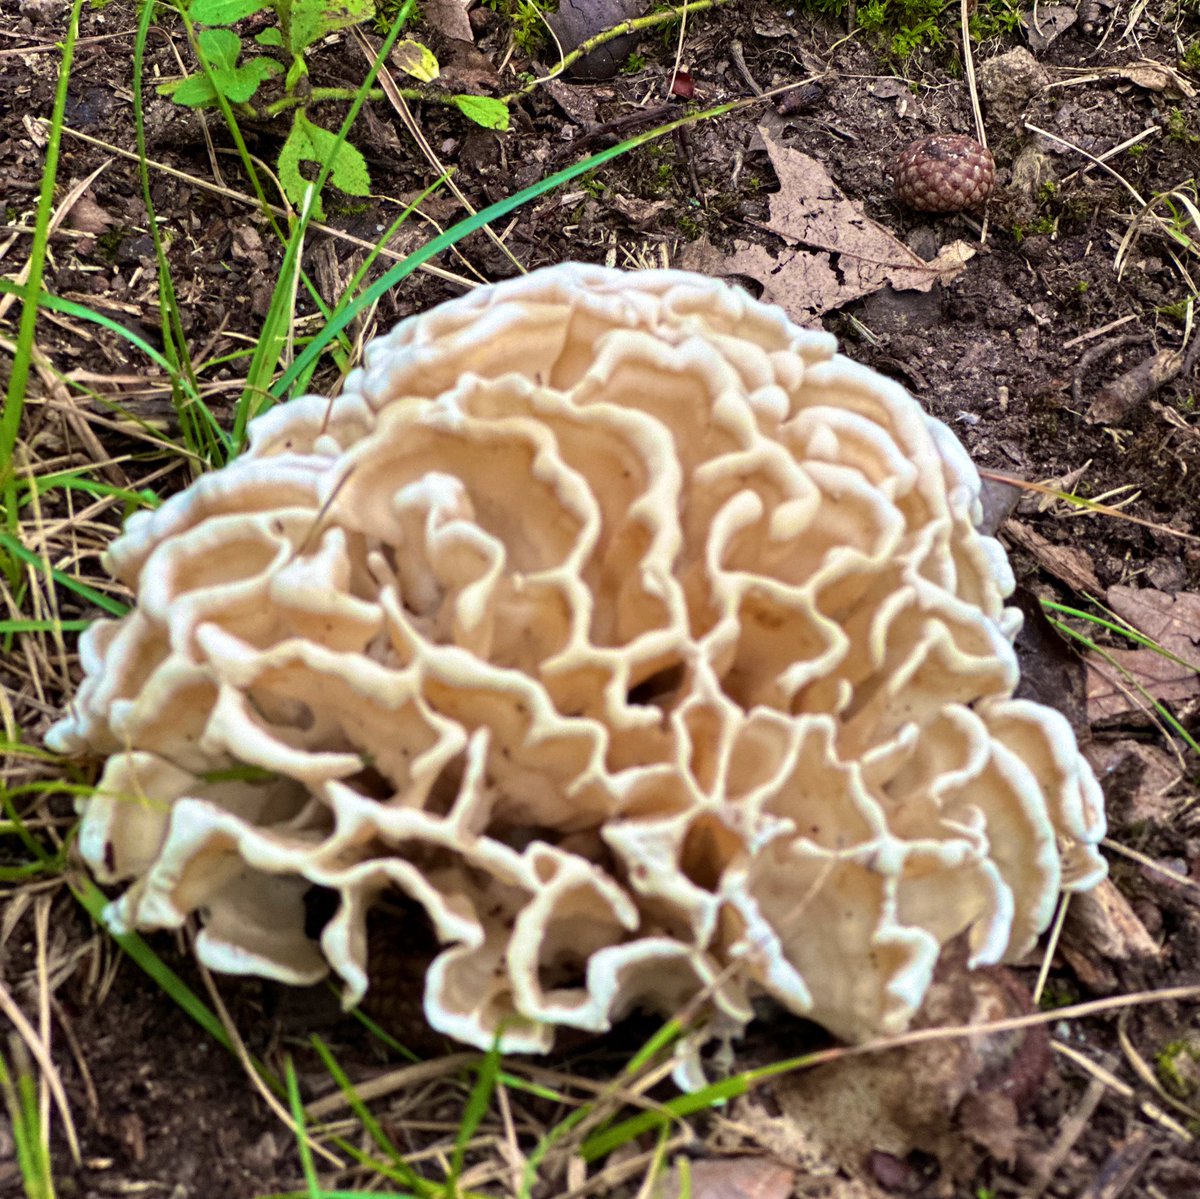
[620,625]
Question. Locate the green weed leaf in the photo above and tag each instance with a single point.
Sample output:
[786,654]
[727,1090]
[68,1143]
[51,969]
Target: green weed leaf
[222,48]
[310,143]
[271,36]
[223,12]
[313,19]
[483,110]
[416,60]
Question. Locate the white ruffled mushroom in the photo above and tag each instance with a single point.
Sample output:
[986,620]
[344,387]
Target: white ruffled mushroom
[639,639]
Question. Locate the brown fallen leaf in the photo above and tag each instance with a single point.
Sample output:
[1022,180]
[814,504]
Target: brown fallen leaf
[728,1178]
[87,216]
[1142,72]
[449,18]
[949,1099]
[1156,77]
[1047,22]
[1141,781]
[1173,622]
[836,254]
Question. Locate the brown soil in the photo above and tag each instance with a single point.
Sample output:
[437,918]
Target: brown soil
[1003,354]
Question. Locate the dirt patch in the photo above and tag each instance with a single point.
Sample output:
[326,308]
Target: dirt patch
[1012,354]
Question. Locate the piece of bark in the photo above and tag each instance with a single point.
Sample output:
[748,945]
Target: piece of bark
[1069,564]
[1117,400]
[1122,1167]
[1102,928]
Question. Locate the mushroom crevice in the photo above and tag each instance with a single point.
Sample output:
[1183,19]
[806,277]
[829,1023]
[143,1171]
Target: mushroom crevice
[639,639]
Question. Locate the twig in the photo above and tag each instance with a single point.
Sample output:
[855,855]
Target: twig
[739,61]
[965,8]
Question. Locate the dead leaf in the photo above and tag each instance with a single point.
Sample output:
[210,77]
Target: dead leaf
[637,211]
[906,1099]
[729,1178]
[87,216]
[836,253]
[1047,22]
[1173,622]
[1143,72]
[1156,77]
[1141,781]
[449,18]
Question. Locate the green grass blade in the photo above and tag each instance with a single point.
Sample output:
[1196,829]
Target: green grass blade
[1122,630]
[18,380]
[302,1146]
[184,391]
[71,308]
[11,545]
[372,1126]
[478,1102]
[77,480]
[43,626]
[33,1160]
[457,232]
[93,901]
[1164,714]
[360,98]
[276,332]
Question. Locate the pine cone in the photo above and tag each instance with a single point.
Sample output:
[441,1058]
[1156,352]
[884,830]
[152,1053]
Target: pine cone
[944,172]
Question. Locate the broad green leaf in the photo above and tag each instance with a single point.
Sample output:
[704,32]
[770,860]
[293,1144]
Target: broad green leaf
[313,19]
[310,143]
[483,110]
[195,91]
[416,60]
[223,12]
[271,36]
[221,48]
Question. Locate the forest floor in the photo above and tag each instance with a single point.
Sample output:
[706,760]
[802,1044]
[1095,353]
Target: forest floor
[1060,348]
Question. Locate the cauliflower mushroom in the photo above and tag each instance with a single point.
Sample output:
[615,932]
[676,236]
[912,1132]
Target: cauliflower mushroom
[638,638]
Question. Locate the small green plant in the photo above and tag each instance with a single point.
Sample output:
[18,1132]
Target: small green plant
[1190,61]
[1176,1066]
[997,19]
[634,63]
[1178,129]
[592,185]
[1055,994]
[230,79]
[1039,226]
[527,20]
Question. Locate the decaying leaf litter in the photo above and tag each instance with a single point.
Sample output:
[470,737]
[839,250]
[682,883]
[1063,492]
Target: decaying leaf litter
[999,350]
